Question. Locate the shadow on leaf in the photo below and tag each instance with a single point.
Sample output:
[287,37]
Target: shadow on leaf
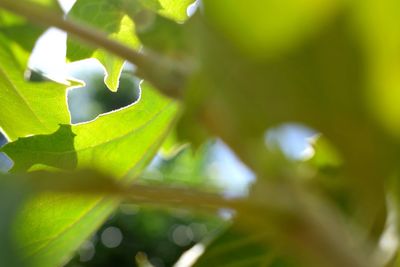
[55,150]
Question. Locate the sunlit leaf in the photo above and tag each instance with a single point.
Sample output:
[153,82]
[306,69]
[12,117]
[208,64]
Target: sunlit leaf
[113,65]
[27,108]
[114,18]
[22,31]
[53,226]
[176,10]
[109,17]
[115,137]
[163,35]
[104,15]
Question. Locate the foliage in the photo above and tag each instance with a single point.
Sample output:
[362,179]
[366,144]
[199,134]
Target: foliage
[233,70]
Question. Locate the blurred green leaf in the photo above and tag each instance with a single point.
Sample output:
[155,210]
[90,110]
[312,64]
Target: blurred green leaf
[266,28]
[325,155]
[319,84]
[27,108]
[378,23]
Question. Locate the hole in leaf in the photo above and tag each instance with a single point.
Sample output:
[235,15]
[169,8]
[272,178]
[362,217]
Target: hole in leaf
[95,98]
[48,57]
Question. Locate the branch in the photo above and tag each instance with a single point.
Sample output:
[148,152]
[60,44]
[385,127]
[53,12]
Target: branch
[166,74]
[294,217]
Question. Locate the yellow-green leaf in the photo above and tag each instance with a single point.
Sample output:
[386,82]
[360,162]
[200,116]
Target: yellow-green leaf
[52,226]
[27,108]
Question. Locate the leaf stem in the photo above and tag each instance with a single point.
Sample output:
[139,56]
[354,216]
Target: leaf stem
[166,74]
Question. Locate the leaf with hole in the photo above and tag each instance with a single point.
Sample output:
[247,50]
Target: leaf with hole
[120,144]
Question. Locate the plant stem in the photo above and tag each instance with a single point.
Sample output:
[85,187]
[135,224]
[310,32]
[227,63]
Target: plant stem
[166,74]
[290,216]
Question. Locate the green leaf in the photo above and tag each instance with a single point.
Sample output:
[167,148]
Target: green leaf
[105,15]
[265,28]
[22,31]
[325,156]
[53,225]
[379,26]
[118,136]
[112,64]
[109,17]
[27,108]
[316,83]
[114,18]
[175,10]
[162,35]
